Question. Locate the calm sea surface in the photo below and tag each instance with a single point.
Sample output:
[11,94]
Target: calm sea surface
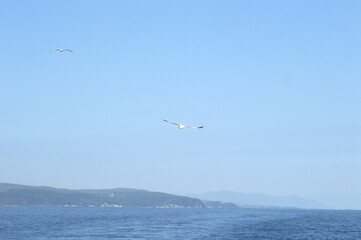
[37,223]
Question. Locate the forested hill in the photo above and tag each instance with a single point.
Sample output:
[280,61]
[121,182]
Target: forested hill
[21,195]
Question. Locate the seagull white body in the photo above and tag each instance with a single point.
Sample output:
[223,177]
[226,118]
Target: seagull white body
[63,49]
[181,126]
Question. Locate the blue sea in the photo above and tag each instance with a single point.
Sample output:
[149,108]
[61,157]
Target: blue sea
[38,223]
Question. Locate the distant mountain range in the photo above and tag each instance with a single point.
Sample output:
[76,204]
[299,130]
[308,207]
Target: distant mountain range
[21,195]
[259,200]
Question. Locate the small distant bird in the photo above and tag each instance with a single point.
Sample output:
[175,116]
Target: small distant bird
[182,126]
[63,49]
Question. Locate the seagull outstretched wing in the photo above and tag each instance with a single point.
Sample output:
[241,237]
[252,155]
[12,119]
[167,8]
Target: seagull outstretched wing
[194,126]
[177,124]
[67,49]
[182,126]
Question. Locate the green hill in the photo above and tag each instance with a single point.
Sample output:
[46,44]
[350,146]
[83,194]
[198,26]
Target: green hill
[12,194]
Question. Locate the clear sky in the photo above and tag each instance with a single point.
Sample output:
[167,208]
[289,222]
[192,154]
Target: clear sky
[277,85]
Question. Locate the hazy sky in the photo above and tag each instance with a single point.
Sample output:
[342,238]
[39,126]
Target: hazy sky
[277,85]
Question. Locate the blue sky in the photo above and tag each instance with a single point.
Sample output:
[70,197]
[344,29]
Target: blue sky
[275,83]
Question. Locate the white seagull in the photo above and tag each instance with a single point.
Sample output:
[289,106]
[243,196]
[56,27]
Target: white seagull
[182,126]
[63,49]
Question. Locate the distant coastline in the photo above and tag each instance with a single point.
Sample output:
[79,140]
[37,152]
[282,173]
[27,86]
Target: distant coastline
[22,195]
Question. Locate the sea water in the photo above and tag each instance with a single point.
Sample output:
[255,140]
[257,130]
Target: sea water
[38,223]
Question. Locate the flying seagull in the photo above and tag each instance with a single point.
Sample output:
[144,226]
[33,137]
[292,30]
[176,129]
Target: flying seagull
[63,49]
[182,126]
